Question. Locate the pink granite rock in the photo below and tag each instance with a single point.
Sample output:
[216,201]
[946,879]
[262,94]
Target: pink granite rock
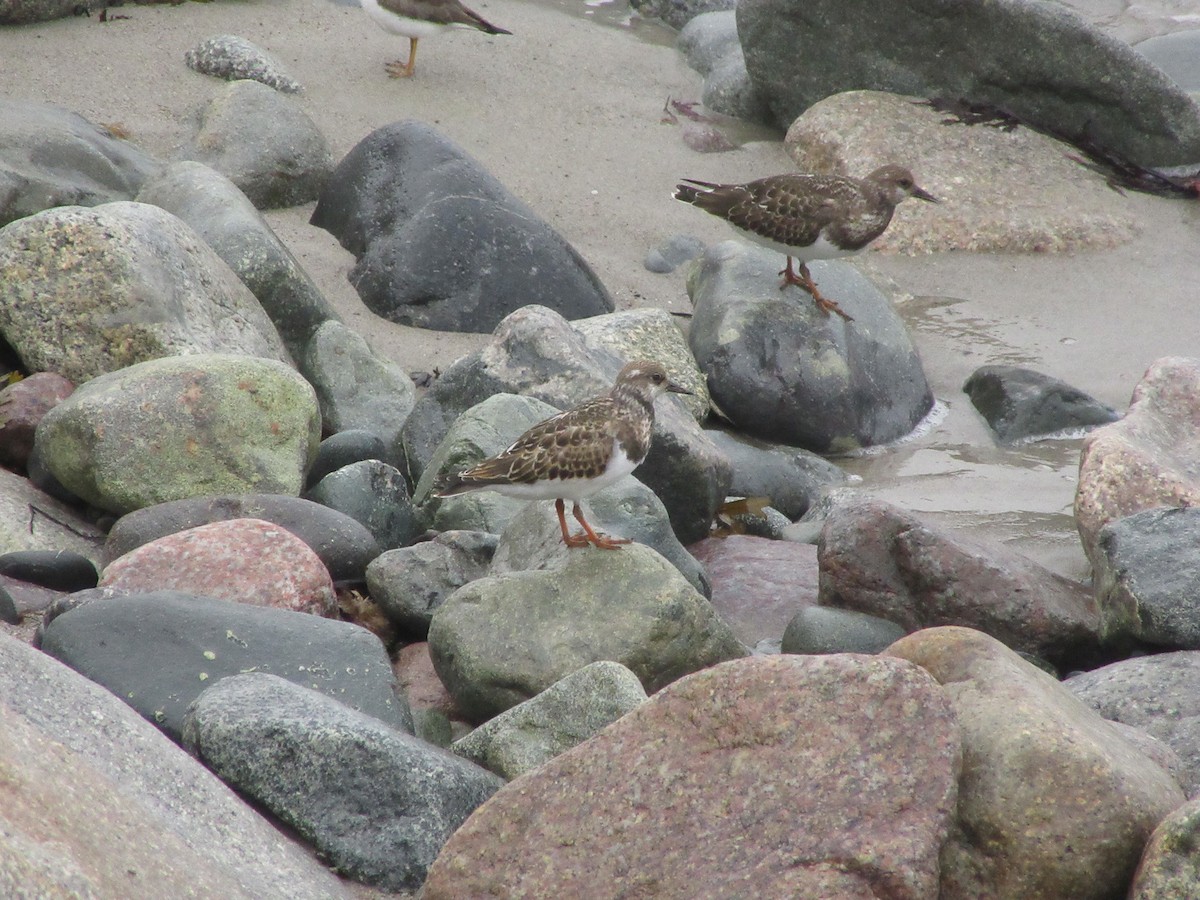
[1149,458]
[22,405]
[758,585]
[243,560]
[780,776]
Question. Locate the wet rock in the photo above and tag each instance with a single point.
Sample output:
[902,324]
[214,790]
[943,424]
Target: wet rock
[22,406]
[537,353]
[1148,459]
[263,142]
[344,546]
[376,803]
[51,157]
[730,91]
[413,207]
[410,583]
[342,449]
[61,570]
[1062,206]
[1020,403]
[881,560]
[89,291]
[1176,54]
[708,38]
[375,495]
[567,713]
[500,640]
[224,216]
[673,252]
[1170,865]
[1059,72]
[1147,578]
[758,764]
[677,13]
[232,58]
[33,520]
[359,389]
[182,426]
[242,560]
[157,651]
[1158,694]
[791,478]
[758,585]
[784,371]
[94,793]
[821,629]
[1055,802]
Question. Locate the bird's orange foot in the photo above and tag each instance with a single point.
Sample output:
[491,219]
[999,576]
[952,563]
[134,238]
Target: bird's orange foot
[398,69]
[604,542]
[827,306]
[576,540]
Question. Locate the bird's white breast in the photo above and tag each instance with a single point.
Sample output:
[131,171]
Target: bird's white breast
[818,249]
[389,21]
[575,489]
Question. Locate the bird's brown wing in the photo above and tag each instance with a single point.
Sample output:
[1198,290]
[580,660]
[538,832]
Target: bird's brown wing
[441,12]
[572,444]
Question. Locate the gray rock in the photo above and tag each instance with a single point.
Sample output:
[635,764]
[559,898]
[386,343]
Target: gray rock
[182,426]
[412,206]
[730,91]
[537,353]
[1039,61]
[50,157]
[24,403]
[532,538]
[343,448]
[673,252]
[1147,578]
[23,12]
[357,388]
[791,478]
[677,13]
[565,714]
[410,583]
[94,793]
[782,370]
[158,651]
[374,494]
[1178,55]
[500,640]
[1020,403]
[376,803]
[233,58]
[1170,866]
[60,570]
[263,142]
[58,525]
[1158,694]
[224,216]
[344,545]
[821,629]
[708,38]
[89,291]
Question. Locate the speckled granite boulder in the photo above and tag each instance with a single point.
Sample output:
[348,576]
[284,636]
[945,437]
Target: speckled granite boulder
[89,291]
[182,426]
[1170,866]
[243,560]
[761,778]
[1146,460]
[1055,801]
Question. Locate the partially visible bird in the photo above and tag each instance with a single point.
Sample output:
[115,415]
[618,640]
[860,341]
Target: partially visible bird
[578,452]
[415,19]
[808,216]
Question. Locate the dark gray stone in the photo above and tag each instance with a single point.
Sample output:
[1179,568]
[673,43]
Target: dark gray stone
[342,449]
[1020,403]
[51,157]
[158,651]
[678,13]
[708,38]
[23,12]
[791,478]
[782,370]
[1147,577]
[1177,54]
[441,243]
[821,629]
[62,570]
[375,495]
[672,252]
[232,58]
[1040,61]
[376,803]
[344,545]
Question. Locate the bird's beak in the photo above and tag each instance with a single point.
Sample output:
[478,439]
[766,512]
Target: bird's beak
[922,194]
[676,389]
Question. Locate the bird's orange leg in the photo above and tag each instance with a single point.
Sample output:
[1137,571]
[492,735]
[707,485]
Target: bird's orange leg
[398,69]
[598,540]
[804,280]
[569,539]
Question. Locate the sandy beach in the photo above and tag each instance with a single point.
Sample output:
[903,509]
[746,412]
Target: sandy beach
[567,113]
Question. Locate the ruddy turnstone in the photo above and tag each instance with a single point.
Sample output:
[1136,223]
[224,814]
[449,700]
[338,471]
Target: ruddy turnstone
[415,19]
[808,216]
[576,453]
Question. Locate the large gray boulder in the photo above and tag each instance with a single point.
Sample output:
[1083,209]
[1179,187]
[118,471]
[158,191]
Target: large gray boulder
[1038,60]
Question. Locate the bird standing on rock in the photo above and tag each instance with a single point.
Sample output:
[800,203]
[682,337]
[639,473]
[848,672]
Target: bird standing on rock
[808,216]
[415,19]
[578,452]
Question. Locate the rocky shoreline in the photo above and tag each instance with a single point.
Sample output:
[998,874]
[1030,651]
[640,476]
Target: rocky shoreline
[218,482]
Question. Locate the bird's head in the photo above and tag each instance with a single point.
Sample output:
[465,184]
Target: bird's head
[897,183]
[647,377]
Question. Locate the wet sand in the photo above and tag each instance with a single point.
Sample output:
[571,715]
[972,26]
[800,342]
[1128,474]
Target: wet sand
[567,113]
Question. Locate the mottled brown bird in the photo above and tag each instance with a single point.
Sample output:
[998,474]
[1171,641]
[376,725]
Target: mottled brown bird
[808,216]
[578,452]
[415,19]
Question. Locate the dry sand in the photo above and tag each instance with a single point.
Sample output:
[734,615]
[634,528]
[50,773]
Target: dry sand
[567,113]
